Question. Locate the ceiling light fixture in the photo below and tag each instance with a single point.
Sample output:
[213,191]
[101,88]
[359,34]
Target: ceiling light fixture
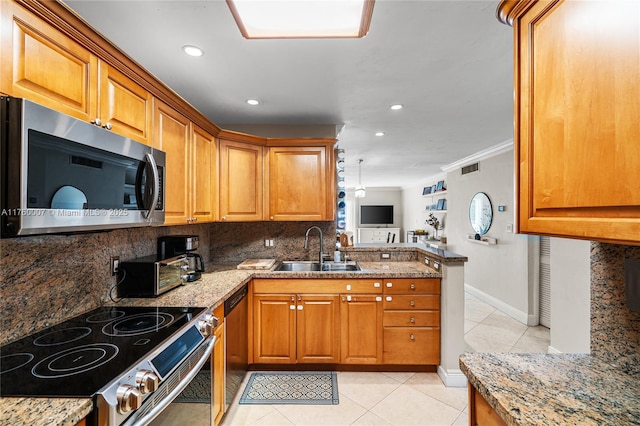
[360,192]
[302,18]
[379,133]
[192,50]
[396,107]
[253,101]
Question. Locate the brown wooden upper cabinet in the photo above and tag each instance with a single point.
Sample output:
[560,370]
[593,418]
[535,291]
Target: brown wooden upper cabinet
[190,190]
[44,65]
[241,181]
[300,183]
[276,179]
[577,103]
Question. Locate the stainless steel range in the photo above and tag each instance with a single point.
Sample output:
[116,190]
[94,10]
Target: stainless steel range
[132,361]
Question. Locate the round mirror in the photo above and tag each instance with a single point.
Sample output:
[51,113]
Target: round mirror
[480,213]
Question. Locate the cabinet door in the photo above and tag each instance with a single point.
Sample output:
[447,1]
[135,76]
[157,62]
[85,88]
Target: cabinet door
[203,187]
[42,64]
[318,329]
[172,135]
[124,105]
[298,187]
[577,132]
[361,329]
[241,181]
[274,329]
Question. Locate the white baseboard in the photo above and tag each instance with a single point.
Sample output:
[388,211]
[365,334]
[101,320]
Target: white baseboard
[514,313]
[552,350]
[452,378]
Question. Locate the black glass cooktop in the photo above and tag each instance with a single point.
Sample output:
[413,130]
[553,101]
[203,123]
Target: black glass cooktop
[80,356]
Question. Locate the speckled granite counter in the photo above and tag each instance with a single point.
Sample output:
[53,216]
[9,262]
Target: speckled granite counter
[210,291]
[44,411]
[550,389]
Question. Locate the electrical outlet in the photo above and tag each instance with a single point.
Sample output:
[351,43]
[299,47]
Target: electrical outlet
[268,243]
[509,228]
[115,264]
[385,255]
[426,261]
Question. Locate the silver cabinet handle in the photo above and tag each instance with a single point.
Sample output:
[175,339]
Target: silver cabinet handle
[108,126]
[412,337]
[412,286]
[224,218]
[412,303]
[412,320]
[97,122]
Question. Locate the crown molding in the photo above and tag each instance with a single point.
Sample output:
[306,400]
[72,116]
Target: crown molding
[479,156]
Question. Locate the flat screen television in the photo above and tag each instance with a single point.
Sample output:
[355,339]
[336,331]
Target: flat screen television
[376,215]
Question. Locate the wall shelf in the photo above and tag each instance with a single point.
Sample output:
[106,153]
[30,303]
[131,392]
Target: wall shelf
[487,241]
[435,194]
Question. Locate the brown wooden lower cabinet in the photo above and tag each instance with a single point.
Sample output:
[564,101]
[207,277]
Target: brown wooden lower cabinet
[361,325]
[480,412]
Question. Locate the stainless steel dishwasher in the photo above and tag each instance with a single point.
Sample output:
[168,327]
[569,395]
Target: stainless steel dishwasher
[235,314]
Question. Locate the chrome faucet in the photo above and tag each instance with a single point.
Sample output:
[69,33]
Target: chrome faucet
[306,242]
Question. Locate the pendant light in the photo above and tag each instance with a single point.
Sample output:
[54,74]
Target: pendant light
[360,193]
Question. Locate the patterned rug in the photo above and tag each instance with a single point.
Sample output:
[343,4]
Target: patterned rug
[291,388]
[198,391]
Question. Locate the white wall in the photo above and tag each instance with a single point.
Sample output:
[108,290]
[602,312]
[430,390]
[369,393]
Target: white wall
[414,204]
[375,196]
[570,295]
[504,275]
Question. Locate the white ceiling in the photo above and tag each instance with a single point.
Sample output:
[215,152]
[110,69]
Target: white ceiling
[448,62]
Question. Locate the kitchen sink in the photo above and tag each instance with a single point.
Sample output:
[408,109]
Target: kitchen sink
[308,266]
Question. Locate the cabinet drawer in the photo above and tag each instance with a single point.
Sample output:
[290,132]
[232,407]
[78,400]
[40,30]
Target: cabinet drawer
[411,319]
[418,302]
[411,285]
[410,345]
[317,286]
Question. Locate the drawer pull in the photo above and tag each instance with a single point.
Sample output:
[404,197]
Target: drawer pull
[348,287]
[412,303]
[376,284]
[300,307]
[348,298]
[412,286]
[378,298]
[412,320]
[389,298]
[292,307]
[389,285]
[412,337]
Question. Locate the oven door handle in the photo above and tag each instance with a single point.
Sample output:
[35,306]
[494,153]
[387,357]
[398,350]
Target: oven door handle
[147,418]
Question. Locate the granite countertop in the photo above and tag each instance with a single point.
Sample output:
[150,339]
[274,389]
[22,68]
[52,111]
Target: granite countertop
[216,285]
[554,389]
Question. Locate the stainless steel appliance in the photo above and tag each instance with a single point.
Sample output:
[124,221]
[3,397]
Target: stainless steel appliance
[60,174]
[236,326]
[132,361]
[149,277]
[175,245]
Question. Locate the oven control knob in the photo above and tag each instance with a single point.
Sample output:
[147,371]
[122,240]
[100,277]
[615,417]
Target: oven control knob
[129,398]
[147,381]
[207,325]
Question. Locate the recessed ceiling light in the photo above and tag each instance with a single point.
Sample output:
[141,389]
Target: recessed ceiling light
[396,106]
[379,133]
[302,19]
[192,50]
[253,101]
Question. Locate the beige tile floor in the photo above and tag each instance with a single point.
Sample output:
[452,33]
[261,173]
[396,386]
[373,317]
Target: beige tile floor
[402,399]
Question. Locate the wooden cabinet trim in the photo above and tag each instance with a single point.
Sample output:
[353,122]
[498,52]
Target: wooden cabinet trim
[316,286]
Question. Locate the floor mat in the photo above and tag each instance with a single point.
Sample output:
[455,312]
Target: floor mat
[199,390]
[313,388]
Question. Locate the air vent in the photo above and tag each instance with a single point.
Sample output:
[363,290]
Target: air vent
[83,161]
[470,168]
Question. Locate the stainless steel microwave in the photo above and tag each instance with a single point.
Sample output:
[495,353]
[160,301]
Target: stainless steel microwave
[60,174]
